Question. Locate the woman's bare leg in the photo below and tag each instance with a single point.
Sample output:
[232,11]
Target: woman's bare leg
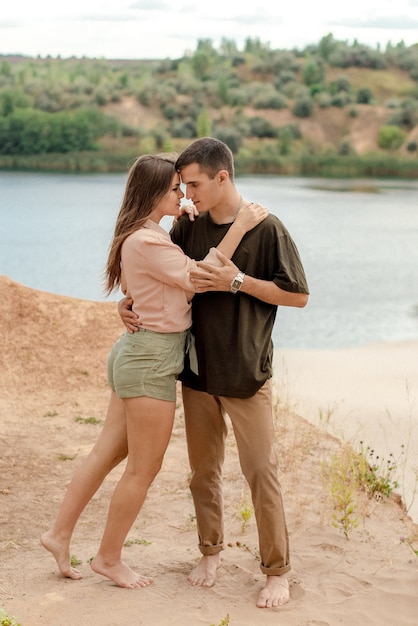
[109,450]
[149,426]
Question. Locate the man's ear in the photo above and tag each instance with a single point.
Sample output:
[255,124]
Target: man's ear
[223,176]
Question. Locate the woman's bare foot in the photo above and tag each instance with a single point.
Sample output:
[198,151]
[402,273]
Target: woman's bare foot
[120,574]
[60,550]
[204,574]
[275,593]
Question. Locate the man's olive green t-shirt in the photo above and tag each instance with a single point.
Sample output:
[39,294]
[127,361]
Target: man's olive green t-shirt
[233,331]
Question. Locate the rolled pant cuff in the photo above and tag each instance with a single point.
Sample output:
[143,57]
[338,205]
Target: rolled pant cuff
[209,550]
[275,571]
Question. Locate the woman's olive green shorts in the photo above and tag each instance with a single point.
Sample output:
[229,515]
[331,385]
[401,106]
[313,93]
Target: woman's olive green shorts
[146,363]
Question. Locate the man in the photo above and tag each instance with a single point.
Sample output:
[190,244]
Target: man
[233,315]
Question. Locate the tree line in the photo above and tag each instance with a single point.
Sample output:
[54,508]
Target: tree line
[56,105]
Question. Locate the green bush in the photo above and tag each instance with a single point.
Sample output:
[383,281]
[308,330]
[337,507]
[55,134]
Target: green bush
[323,99]
[364,95]
[231,136]
[30,131]
[292,130]
[313,71]
[185,129]
[270,100]
[406,115]
[340,84]
[390,137]
[284,77]
[303,106]
[13,99]
[345,148]
[259,127]
[339,99]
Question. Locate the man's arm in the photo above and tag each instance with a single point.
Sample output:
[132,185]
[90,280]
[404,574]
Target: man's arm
[212,278]
[128,317]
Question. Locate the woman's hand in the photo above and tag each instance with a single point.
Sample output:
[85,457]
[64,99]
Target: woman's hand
[250,215]
[189,208]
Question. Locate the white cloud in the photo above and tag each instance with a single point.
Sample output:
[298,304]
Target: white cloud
[159,29]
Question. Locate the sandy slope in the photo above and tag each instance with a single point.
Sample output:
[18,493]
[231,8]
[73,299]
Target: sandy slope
[52,354]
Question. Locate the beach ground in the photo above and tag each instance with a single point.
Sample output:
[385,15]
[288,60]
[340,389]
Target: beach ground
[53,398]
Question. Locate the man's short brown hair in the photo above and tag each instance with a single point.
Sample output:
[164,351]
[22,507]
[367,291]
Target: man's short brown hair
[212,155]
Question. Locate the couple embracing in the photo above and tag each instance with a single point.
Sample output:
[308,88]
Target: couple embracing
[200,306]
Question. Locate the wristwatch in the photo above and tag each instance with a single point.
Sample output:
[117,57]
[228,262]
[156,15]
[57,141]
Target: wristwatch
[236,283]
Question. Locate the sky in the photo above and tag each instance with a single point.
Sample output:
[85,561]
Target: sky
[158,29]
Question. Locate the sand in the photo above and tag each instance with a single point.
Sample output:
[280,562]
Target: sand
[52,382]
[364,394]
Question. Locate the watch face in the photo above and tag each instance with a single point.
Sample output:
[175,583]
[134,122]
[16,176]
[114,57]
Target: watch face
[237,282]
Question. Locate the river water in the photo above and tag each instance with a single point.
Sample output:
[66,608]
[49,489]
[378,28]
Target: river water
[358,241]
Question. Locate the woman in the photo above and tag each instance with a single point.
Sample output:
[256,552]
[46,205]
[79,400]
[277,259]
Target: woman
[142,367]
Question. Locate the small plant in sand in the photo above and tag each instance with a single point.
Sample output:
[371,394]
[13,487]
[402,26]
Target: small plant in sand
[245,516]
[75,561]
[66,457]
[136,542]
[349,473]
[243,546]
[340,477]
[5,620]
[409,541]
[224,622]
[88,420]
[375,474]
[325,416]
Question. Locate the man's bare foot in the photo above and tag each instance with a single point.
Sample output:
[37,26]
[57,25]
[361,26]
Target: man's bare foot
[60,550]
[275,592]
[120,574]
[204,574]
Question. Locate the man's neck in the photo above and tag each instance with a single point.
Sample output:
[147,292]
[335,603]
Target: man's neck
[226,212]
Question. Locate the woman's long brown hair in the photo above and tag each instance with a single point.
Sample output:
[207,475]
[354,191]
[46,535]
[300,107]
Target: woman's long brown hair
[149,179]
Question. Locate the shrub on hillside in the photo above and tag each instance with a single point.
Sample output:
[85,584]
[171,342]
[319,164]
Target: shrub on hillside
[346,148]
[323,99]
[406,115]
[303,106]
[231,136]
[364,95]
[30,131]
[284,77]
[390,137]
[340,99]
[313,71]
[340,84]
[259,127]
[270,99]
[184,129]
